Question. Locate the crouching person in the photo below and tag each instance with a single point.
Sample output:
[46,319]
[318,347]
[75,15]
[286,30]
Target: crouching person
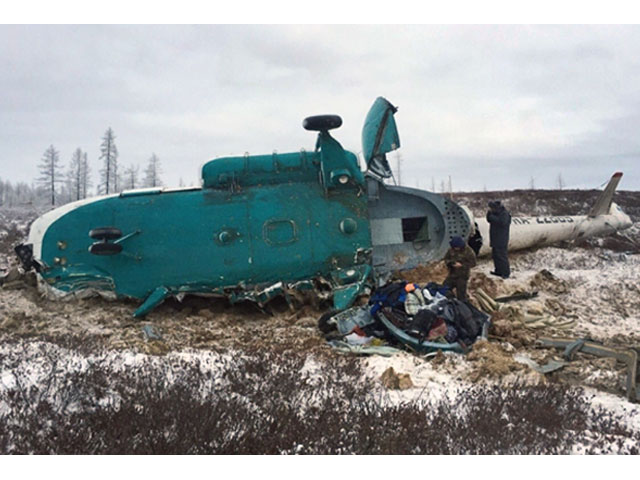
[459,260]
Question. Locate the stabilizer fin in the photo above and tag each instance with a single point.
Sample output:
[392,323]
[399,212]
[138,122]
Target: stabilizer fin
[603,203]
[152,301]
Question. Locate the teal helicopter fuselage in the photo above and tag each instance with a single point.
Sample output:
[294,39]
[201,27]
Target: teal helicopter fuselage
[256,221]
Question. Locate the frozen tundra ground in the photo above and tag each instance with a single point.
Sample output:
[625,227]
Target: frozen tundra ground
[591,290]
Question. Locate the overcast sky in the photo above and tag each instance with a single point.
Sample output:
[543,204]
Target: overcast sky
[491,106]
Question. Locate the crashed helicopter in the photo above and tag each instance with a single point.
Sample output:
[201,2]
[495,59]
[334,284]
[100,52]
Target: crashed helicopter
[259,226]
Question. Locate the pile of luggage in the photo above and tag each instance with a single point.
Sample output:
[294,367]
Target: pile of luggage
[423,319]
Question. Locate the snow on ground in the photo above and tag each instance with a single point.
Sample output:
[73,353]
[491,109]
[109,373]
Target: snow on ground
[602,294]
[603,287]
[28,364]
[430,382]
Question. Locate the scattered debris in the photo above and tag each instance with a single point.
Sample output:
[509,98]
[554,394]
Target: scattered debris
[628,356]
[486,283]
[545,280]
[421,319]
[517,296]
[11,276]
[550,366]
[151,332]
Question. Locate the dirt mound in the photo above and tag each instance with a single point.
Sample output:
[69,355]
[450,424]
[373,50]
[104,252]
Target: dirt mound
[423,274]
[491,360]
[396,381]
[547,281]
[505,329]
[482,281]
[198,323]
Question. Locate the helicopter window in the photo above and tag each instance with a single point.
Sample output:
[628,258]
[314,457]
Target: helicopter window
[414,228]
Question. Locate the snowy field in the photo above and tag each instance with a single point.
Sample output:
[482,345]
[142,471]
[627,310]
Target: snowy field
[592,291]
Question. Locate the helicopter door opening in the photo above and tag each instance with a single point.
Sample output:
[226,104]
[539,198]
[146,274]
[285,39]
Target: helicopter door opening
[415,229]
[395,231]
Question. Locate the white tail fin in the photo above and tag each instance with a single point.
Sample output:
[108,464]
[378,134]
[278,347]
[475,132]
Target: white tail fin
[603,203]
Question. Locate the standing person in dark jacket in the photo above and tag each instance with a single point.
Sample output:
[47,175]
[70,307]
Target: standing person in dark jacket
[459,260]
[499,220]
[475,240]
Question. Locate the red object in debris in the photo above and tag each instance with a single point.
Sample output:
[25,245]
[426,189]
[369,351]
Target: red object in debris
[358,331]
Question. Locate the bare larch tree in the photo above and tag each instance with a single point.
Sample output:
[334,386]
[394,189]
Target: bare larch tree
[152,172]
[49,172]
[131,177]
[85,176]
[109,155]
[78,175]
[74,175]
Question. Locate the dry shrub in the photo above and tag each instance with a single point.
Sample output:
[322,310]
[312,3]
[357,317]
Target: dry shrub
[265,402]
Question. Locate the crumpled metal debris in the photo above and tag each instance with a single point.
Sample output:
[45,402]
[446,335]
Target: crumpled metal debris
[550,366]
[151,333]
[627,356]
[533,315]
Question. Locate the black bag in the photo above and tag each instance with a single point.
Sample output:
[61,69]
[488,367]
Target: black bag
[422,323]
[465,321]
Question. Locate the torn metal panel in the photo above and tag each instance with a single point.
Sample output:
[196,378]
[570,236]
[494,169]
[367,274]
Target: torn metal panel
[549,367]
[628,357]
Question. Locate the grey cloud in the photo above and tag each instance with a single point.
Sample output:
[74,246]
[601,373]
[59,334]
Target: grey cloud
[493,102]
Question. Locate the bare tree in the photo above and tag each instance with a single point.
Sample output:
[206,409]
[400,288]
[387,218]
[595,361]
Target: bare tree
[560,182]
[50,172]
[78,175]
[8,194]
[152,172]
[74,175]
[109,155]
[130,180]
[85,176]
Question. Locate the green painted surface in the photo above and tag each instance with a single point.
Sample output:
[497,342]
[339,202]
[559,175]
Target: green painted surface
[258,220]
